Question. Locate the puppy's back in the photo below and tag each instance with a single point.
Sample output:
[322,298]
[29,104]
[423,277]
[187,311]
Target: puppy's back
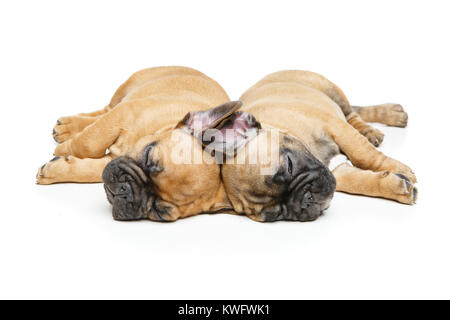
[306,78]
[169,80]
[181,84]
[305,92]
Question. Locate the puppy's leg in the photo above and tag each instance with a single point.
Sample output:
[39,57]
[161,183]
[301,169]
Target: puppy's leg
[72,169]
[96,113]
[75,124]
[67,127]
[375,184]
[363,154]
[93,141]
[389,114]
[375,136]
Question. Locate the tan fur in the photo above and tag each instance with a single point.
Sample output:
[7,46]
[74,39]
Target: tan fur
[322,84]
[142,84]
[383,184]
[390,114]
[145,108]
[310,108]
[304,105]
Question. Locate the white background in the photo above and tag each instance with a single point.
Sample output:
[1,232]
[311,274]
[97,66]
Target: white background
[60,58]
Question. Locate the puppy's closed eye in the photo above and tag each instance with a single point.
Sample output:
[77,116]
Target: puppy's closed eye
[289,165]
[149,159]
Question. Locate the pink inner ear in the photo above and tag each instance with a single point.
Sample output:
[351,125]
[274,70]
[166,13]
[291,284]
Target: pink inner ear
[199,120]
[237,125]
[235,132]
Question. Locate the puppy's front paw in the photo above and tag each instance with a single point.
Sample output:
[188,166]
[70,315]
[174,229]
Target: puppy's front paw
[53,171]
[396,166]
[406,172]
[399,188]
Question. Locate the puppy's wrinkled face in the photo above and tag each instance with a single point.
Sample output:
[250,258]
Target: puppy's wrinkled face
[150,183]
[297,186]
[169,176]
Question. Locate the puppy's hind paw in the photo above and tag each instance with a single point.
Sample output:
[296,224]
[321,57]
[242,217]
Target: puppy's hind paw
[394,115]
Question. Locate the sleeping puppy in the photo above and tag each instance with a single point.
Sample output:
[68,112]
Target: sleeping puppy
[313,122]
[138,144]
[157,169]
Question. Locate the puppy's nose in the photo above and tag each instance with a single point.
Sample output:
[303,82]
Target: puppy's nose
[120,189]
[313,205]
[308,200]
[116,191]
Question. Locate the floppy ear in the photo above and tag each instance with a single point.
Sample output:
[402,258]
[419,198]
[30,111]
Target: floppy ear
[203,120]
[221,130]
